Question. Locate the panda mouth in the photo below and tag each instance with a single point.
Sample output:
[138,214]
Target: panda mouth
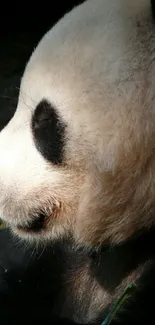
[36,225]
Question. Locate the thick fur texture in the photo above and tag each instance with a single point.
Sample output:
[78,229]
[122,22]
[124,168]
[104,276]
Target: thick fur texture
[92,77]
[61,284]
[96,67]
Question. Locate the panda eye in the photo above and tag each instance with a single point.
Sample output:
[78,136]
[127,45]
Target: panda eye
[43,119]
[44,112]
[48,132]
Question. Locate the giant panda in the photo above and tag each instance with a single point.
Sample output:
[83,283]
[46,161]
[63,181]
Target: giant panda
[77,166]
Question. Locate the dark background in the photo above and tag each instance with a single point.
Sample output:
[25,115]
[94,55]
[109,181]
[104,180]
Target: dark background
[22,24]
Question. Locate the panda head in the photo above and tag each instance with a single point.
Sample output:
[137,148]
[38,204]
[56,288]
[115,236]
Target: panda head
[77,158]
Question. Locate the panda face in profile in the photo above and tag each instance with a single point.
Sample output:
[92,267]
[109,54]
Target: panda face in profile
[78,157]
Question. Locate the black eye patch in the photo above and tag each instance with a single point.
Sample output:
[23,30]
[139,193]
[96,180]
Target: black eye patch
[48,132]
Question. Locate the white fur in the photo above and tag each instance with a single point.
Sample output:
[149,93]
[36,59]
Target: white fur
[95,66]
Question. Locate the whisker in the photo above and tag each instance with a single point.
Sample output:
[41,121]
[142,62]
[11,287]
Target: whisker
[9,97]
[20,101]
[43,250]
[29,96]
[28,106]
[32,255]
[22,96]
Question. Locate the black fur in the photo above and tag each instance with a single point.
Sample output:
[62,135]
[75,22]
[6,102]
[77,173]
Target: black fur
[33,282]
[30,282]
[48,132]
[140,308]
